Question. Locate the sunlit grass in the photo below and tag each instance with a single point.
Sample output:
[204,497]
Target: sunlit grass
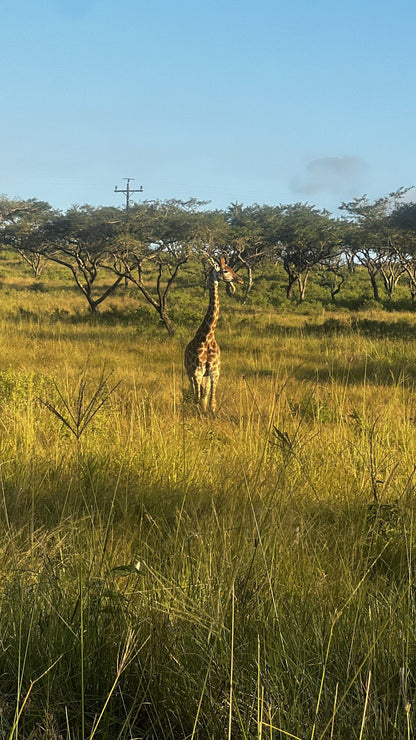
[167,575]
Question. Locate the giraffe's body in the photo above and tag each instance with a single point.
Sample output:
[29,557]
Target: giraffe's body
[202,355]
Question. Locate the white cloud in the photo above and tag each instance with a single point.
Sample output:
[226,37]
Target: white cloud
[410,196]
[336,175]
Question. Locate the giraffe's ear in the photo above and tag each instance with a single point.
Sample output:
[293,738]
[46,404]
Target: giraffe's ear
[222,263]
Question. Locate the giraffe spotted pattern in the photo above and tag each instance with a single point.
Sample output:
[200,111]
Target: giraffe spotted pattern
[202,355]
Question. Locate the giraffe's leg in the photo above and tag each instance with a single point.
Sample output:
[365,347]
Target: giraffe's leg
[205,392]
[196,389]
[214,374]
[212,392]
[197,383]
[213,399]
[193,371]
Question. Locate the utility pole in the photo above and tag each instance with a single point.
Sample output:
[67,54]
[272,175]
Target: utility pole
[127,190]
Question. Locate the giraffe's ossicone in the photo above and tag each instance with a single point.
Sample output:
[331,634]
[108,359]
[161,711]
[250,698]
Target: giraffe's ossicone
[202,354]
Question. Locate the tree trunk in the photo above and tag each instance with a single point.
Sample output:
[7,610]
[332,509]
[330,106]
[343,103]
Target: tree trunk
[289,288]
[249,283]
[350,263]
[302,280]
[374,286]
[334,291]
[167,322]
[412,288]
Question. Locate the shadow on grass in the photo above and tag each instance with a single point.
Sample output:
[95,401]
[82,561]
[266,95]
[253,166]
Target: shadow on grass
[401,328]
[111,317]
[374,328]
[359,370]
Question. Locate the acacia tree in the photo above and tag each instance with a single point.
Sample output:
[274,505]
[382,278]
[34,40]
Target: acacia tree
[403,219]
[212,242]
[373,238]
[158,241]
[22,224]
[249,237]
[334,272]
[305,237]
[81,240]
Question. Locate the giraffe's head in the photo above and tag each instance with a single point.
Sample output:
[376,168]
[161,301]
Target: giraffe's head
[226,273]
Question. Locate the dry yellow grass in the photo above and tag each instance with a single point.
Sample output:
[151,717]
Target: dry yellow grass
[160,553]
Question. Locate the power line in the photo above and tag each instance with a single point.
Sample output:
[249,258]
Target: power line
[128,190]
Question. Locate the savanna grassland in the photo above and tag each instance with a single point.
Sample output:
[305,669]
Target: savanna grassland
[165,575]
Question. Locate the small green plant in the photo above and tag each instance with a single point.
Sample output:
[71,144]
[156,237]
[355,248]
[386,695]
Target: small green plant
[77,409]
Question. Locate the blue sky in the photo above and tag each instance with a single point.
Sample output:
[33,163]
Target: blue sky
[252,101]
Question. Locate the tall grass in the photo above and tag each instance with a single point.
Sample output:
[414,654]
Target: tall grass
[165,575]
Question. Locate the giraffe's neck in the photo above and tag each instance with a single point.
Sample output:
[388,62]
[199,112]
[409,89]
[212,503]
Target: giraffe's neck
[211,317]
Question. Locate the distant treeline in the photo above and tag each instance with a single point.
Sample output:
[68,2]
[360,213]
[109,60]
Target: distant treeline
[149,244]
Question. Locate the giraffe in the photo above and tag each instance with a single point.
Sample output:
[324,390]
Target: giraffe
[202,354]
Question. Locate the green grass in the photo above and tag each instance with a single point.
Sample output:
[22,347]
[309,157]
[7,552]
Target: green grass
[170,576]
